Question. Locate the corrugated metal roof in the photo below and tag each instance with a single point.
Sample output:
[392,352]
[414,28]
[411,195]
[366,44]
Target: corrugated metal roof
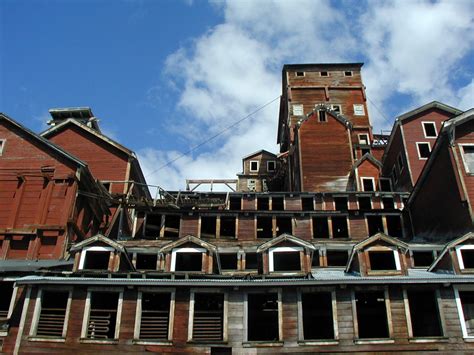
[31,265]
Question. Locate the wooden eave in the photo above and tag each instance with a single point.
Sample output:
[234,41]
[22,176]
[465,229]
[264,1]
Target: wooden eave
[431,105]
[189,239]
[322,107]
[369,157]
[99,238]
[449,246]
[282,238]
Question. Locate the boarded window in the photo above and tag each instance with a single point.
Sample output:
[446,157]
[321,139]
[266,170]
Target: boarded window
[422,258]
[263,203]
[317,316]
[375,224]
[365,203]
[228,261]
[208,318]
[6,292]
[467,302]
[307,204]
[424,150]
[208,226]
[337,258]
[264,227]
[235,203]
[53,313]
[286,261]
[424,313]
[251,261]
[172,226]
[188,261]
[340,203]
[146,261]
[263,317]
[227,227]
[315,262]
[468,155]
[394,226]
[155,317]
[382,260]
[103,315]
[96,260]
[320,227]
[278,203]
[339,227]
[371,315]
[468,258]
[284,225]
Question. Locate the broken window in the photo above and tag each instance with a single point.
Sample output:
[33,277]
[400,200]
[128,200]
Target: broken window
[424,150]
[251,261]
[382,260]
[394,226]
[424,313]
[263,203]
[155,316]
[340,203]
[368,184]
[263,317]
[52,317]
[365,203]
[422,258]
[336,258]
[339,227]
[322,116]
[430,129]
[254,166]
[208,226]
[285,259]
[278,204]
[375,224]
[188,261]
[227,227]
[102,321]
[320,227]
[208,317]
[153,225]
[385,184]
[96,260]
[146,261]
[468,157]
[6,292]
[467,258]
[371,315]
[307,204]
[264,227]
[388,203]
[228,261]
[235,203]
[318,320]
[284,225]
[171,226]
[466,310]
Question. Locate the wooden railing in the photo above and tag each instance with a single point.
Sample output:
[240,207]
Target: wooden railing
[208,326]
[101,324]
[51,322]
[154,325]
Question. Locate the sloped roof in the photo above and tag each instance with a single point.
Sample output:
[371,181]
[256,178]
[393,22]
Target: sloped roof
[261,151]
[189,239]
[98,238]
[429,106]
[322,107]
[450,245]
[369,157]
[285,237]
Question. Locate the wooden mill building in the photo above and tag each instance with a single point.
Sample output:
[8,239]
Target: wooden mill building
[344,241]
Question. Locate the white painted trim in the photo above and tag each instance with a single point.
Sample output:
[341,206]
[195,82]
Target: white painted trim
[273,250]
[462,320]
[459,248]
[362,178]
[21,326]
[86,249]
[2,146]
[250,166]
[424,130]
[359,106]
[418,149]
[363,134]
[12,301]
[396,257]
[183,250]
[466,167]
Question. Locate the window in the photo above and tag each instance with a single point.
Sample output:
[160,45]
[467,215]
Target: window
[251,261]
[371,315]
[153,225]
[365,203]
[187,259]
[254,166]
[299,73]
[368,184]
[235,203]
[263,203]
[400,163]
[6,295]
[337,258]
[323,73]
[95,258]
[388,203]
[320,227]
[318,319]
[322,116]
[146,262]
[374,224]
[208,226]
[385,185]
[264,227]
[465,255]
[228,261]
[227,227]
[422,258]
[278,203]
[424,313]
[339,227]
[384,260]
[252,184]
[207,322]
[394,175]
[51,313]
[285,259]
[101,315]
[365,151]
[468,157]
[271,166]
[284,225]
[424,150]
[394,226]
[307,204]
[297,110]
[154,315]
[336,108]
[359,110]
[2,146]
[347,73]
[340,203]
[262,319]
[172,223]
[429,128]
[364,139]
[465,304]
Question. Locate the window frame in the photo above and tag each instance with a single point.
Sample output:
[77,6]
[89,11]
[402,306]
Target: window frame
[348,71]
[338,106]
[360,140]
[3,142]
[466,166]
[457,297]
[273,250]
[268,168]
[85,250]
[396,257]
[326,73]
[250,166]
[359,109]
[297,108]
[362,178]
[184,250]
[300,76]
[424,129]
[322,113]
[12,299]
[419,152]
[459,256]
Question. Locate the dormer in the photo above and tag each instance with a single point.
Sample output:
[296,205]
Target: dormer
[366,173]
[457,257]
[286,254]
[100,254]
[83,115]
[190,255]
[378,255]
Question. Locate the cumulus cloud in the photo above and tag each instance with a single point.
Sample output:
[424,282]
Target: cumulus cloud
[410,48]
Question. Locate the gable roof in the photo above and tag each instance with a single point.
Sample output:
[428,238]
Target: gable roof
[323,107]
[98,238]
[429,106]
[79,113]
[450,245]
[369,157]
[285,237]
[189,239]
[261,151]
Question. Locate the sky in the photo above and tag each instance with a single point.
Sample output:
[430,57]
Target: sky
[174,80]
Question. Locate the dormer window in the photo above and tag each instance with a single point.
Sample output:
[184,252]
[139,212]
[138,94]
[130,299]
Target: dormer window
[383,260]
[95,258]
[187,259]
[285,259]
[368,183]
[465,255]
[254,166]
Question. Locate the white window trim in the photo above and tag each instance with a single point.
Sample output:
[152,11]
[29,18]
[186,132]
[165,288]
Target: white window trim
[138,315]
[462,320]
[356,109]
[300,71]
[396,256]
[87,311]
[2,145]
[466,167]
[37,310]
[424,130]
[362,178]
[271,161]
[389,181]
[86,249]
[250,166]
[459,255]
[183,250]
[297,107]
[418,149]
[348,71]
[324,71]
[274,250]
[337,105]
[364,134]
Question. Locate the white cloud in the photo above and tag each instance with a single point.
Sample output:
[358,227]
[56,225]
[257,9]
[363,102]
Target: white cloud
[466,96]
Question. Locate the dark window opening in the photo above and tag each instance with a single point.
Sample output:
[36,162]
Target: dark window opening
[228,261]
[322,116]
[227,227]
[263,317]
[430,129]
[324,73]
[382,260]
[172,226]
[263,203]
[424,150]
[286,261]
[365,203]
[278,204]
[422,258]
[20,244]
[254,166]
[307,204]
[371,315]
[53,314]
[337,258]
[6,292]
[394,175]
[264,227]
[468,258]
[153,225]
[299,73]
[424,314]
[375,224]
[317,316]
[188,262]
[251,261]
[320,227]
[271,166]
[315,262]
[106,185]
[208,227]
[385,185]
[368,184]
[284,225]
[363,139]
[347,73]
[340,203]
[235,203]
[146,261]
[155,316]
[388,203]
[336,108]
[365,151]
[468,154]
[467,302]
[394,226]
[96,260]
[208,319]
[103,315]
[339,227]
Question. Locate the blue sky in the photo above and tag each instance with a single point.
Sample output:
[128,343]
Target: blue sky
[162,76]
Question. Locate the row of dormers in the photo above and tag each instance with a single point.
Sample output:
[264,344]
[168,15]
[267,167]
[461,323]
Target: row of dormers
[379,255]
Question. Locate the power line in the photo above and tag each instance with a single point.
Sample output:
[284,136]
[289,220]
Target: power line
[380,111]
[214,136]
